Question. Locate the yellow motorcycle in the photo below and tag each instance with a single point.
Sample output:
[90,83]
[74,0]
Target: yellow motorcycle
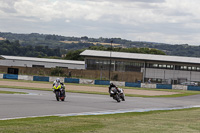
[59,91]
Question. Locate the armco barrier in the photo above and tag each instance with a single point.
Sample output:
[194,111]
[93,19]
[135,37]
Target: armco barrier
[131,84]
[194,88]
[163,86]
[102,82]
[25,77]
[10,76]
[40,78]
[52,79]
[117,83]
[71,80]
[86,81]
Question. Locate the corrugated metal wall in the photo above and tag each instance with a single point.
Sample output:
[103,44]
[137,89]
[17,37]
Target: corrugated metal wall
[172,74]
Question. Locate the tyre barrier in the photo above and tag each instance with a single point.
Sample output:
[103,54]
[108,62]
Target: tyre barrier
[71,80]
[10,76]
[102,82]
[130,84]
[193,88]
[163,86]
[40,78]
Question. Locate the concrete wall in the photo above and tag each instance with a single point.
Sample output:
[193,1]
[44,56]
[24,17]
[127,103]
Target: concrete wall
[25,77]
[146,85]
[1,76]
[86,81]
[179,87]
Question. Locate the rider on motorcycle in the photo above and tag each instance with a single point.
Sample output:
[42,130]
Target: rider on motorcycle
[58,82]
[112,85]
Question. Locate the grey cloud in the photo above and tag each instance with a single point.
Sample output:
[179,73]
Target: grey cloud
[171,12]
[127,19]
[8,10]
[9,6]
[145,1]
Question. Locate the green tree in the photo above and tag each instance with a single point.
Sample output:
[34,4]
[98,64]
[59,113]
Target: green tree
[74,55]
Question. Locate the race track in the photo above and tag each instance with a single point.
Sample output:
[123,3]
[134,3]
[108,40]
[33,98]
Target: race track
[43,103]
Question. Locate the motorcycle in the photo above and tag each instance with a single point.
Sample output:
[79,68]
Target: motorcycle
[117,94]
[121,94]
[59,92]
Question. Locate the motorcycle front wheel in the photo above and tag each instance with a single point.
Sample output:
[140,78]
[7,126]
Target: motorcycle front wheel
[62,98]
[117,98]
[57,95]
[122,97]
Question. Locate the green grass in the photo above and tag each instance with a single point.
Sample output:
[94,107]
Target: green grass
[175,121]
[27,81]
[22,87]
[11,92]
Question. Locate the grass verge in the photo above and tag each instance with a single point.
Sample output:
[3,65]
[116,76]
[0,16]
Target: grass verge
[11,92]
[180,121]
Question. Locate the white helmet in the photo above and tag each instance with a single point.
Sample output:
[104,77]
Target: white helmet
[58,80]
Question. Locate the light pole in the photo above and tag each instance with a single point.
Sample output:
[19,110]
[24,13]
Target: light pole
[110,58]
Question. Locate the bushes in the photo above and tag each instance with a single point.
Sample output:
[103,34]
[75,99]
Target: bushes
[57,71]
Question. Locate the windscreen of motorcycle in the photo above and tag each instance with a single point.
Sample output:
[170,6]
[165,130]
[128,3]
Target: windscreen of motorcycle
[57,86]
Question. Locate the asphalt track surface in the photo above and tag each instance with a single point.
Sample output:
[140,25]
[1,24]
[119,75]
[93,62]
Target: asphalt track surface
[43,103]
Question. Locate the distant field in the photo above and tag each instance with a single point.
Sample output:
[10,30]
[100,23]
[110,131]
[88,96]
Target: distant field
[114,44]
[1,38]
[69,41]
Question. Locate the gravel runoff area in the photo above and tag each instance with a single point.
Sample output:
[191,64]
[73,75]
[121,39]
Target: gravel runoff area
[87,88]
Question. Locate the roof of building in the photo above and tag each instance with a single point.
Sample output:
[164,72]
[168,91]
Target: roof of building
[137,56]
[41,60]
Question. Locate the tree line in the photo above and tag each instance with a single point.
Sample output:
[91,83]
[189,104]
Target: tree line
[75,54]
[15,49]
[55,42]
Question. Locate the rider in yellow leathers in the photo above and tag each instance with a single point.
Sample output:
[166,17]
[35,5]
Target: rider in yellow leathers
[61,85]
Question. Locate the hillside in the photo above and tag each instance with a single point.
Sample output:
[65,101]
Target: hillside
[74,43]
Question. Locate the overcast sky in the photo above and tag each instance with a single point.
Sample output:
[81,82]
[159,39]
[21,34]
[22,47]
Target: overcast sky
[165,21]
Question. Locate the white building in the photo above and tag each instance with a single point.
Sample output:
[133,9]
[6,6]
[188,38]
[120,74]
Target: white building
[159,68]
[18,61]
